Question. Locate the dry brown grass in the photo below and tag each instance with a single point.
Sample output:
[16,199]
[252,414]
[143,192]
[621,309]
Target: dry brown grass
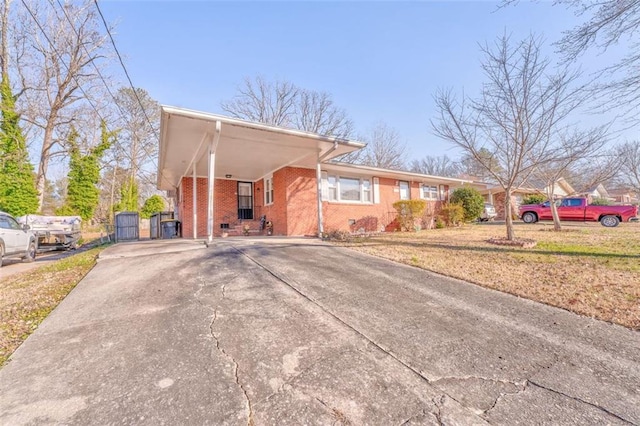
[586,268]
[27,298]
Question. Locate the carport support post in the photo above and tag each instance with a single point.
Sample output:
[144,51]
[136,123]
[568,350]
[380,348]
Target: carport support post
[211,179]
[195,203]
[319,183]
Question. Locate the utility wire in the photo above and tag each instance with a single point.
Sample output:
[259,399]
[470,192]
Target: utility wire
[126,73]
[44,33]
[123,114]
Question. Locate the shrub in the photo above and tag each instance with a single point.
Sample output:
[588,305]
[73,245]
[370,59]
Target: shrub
[534,199]
[597,201]
[153,204]
[408,212]
[452,214]
[471,200]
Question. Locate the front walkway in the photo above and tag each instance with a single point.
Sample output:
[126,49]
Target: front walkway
[292,331]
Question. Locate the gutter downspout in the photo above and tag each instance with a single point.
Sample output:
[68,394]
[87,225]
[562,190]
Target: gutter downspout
[319,184]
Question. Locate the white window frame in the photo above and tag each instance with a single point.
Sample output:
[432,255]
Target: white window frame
[268,190]
[334,190]
[400,182]
[434,192]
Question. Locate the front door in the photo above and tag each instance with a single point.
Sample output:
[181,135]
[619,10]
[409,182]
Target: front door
[245,200]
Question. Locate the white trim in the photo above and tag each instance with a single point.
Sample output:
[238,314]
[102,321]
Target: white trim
[430,186]
[376,190]
[267,191]
[338,199]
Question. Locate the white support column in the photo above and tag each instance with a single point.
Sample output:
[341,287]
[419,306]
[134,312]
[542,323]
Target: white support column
[211,176]
[319,182]
[195,202]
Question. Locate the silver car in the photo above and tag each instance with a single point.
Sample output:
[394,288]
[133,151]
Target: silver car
[16,241]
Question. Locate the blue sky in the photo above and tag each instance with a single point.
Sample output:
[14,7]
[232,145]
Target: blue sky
[379,60]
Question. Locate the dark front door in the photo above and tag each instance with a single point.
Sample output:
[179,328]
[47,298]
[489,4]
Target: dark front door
[245,200]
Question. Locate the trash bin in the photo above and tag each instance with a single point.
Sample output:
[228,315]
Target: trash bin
[170,228]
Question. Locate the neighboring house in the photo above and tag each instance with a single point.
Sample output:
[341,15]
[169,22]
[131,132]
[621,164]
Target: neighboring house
[597,191]
[286,175]
[496,196]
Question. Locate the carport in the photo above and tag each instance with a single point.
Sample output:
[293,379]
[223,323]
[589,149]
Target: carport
[198,144]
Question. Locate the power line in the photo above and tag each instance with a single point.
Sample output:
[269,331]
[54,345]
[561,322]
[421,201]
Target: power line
[61,59]
[126,73]
[123,114]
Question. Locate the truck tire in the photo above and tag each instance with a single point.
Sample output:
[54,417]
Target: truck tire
[31,252]
[609,221]
[529,217]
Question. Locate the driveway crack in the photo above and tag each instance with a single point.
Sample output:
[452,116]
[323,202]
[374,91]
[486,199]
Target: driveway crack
[575,398]
[219,348]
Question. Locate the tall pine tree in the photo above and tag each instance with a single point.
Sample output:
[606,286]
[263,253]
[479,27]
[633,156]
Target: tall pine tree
[18,195]
[84,174]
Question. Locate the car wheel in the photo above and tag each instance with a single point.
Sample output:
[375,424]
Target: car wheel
[529,217]
[610,221]
[1,254]
[31,252]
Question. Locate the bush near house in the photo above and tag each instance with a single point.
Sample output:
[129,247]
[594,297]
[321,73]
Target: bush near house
[471,200]
[596,201]
[451,214]
[534,199]
[153,204]
[408,212]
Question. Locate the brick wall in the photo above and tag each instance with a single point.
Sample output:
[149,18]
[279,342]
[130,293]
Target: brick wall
[294,210]
[302,201]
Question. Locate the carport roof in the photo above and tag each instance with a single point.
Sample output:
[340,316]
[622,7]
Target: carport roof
[244,150]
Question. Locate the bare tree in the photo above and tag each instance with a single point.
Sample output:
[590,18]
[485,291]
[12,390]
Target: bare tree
[629,175]
[61,72]
[436,166]
[315,112]
[384,149]
[578,150]
[522,106]
[474,169]
[282,103]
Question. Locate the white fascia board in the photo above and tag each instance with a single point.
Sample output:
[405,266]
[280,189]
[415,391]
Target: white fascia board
[394,174]
[257,126]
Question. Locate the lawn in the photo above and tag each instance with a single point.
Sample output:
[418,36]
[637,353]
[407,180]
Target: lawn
[587,269]
[27,298]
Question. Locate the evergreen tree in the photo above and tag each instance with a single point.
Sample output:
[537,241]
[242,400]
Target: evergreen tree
[153,204]
[84,174]
[18,195]
[128,196]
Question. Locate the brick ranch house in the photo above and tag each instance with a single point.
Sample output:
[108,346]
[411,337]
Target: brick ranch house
[244,170]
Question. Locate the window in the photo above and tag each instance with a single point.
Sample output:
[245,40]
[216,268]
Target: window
[268,190]
[404,190]
[332,185]
[366,190]
[429,192]
[348,189]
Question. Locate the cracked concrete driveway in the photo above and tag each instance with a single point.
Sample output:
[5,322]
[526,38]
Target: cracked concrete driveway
[286,331]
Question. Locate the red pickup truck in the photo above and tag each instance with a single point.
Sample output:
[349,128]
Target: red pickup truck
[577,209]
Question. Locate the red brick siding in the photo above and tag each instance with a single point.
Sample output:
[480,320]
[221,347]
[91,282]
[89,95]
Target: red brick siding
[302,201]
[294,210]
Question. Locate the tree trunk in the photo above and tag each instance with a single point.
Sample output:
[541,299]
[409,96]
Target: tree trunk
[4,34]
[551,195]
[44,163]
[507,213]
[556,216]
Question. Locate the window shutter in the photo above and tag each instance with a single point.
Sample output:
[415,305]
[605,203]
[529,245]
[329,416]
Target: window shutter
[325,187]
[376,190]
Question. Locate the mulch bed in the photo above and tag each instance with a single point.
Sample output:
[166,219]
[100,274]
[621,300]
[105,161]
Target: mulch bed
[518,242]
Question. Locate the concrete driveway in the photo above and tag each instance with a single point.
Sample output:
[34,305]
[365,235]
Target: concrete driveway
[289,332]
